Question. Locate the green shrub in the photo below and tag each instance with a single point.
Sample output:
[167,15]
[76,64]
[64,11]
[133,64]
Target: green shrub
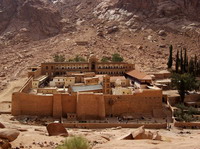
[105,59]
[192,111]
[181,106]
[77,59]
[187,118]
[75,142]
[59,58]
[117,58]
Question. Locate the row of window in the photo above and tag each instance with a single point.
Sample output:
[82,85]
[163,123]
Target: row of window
[47,67]
[111,73]
[99,67]
[113,67]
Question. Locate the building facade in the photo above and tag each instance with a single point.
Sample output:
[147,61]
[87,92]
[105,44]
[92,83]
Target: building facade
[93,65]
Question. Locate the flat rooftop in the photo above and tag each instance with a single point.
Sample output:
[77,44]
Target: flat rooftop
[86,88]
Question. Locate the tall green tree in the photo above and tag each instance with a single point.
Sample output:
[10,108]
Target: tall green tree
[59,58]
[117,58]
[185,60]
[170,59]
[195,65]
[191,66]
[77,59]
[177,61]
[183,83]
[198,68]
[105,59]
[181,61]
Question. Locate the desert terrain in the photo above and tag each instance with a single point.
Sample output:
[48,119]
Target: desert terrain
[33,132]
[32,31]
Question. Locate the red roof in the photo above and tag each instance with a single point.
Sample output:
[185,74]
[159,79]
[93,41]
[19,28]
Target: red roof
[139,75]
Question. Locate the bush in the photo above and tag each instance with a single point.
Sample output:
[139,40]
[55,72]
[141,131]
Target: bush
[75,142]
[59,58]
[105,59]
[181,106]
[77,59]
[187,118]
[117,58]
[192,111]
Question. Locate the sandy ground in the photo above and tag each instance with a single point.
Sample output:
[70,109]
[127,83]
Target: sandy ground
[13,86]
[36,137]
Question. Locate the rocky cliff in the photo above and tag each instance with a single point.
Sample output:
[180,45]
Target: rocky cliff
[31,31]
[31,18]
[162,8]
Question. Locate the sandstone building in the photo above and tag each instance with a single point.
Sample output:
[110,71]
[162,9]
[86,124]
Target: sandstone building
[88,90]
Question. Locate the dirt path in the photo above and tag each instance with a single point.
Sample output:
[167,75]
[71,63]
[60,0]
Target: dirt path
[13,86]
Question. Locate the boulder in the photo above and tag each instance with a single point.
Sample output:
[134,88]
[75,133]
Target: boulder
[140,133]
[55,129]
[157,136]
[1,125]
[162,33]
[112,29]
[9,134]
[4,144]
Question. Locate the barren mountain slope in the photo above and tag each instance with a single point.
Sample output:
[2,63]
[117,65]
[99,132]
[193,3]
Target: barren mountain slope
[31,31]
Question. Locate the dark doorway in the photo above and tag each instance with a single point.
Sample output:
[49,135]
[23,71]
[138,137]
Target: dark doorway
[93,66]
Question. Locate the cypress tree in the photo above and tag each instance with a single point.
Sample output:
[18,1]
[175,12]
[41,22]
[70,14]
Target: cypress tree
[198,68]
[181,61]
[191,66]
[185,60]
[170,61]
[177,61]
[195,65]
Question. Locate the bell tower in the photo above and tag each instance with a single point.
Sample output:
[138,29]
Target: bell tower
[92,63]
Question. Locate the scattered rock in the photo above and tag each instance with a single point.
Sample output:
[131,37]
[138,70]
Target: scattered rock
[162,33]
[140,133]
[9,134]
[4,144]
[112,29]
[156,136]
[139,47]
[2,75]
[55,129]
[22,129]
[1,125]
[162,46]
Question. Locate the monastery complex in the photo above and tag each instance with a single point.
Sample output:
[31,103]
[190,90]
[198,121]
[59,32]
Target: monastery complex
[90,90]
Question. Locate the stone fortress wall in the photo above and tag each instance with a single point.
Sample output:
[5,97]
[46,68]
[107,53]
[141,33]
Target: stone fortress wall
[87,105]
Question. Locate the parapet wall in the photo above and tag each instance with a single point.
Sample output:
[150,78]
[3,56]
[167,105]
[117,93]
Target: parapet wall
[89,105]
[29,104]
[35,73]
[112,125]
[27,86]
[138,104]
[187,124]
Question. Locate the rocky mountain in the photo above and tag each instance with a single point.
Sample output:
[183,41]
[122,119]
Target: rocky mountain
[31,31]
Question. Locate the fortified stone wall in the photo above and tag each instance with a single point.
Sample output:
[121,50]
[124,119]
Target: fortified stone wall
[139,104]
[35,73]
[29,104]
[88,105]
[114,125]
[68,104]
[27,86]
